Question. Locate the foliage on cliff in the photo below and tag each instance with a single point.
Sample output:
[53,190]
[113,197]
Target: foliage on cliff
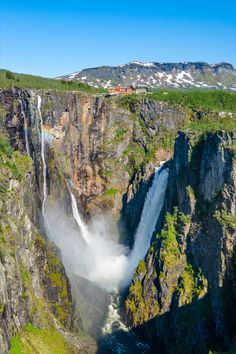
[32,340]
[13,165]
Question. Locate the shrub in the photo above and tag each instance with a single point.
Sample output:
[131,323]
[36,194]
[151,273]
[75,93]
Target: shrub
[9,75]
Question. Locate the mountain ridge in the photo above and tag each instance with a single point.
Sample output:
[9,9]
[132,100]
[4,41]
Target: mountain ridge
[156,75]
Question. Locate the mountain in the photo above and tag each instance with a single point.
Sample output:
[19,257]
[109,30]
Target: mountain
[159,75]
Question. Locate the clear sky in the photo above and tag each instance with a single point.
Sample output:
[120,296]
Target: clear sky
[55,37]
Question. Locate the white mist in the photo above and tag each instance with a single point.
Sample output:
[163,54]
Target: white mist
[108,263]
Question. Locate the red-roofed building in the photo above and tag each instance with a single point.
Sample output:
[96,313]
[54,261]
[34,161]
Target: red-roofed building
[119,89]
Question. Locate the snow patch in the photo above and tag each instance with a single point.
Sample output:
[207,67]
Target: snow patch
[108,84]
[148,64]
[169,78]
[73,75]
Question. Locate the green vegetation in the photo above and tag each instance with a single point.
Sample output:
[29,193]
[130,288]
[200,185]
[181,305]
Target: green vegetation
[226,219]
[129,99]
[135,154]
[142,307]
[202,99]
[166,140]
[170,252]
[191,285]
[9,75]
[13,165]
[120,132]
[110,192]
[185,219]
[32,340]
[9,79]
[141,267]
[211,124]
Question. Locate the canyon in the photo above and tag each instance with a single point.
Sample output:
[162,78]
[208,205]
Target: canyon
[118,226]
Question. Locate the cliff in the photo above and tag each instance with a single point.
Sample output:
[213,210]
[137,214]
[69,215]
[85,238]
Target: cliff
[105,149]
[90,141]
[34,289]
[182,297]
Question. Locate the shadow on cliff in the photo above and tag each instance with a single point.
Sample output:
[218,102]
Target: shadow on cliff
[132,206]
[189,329]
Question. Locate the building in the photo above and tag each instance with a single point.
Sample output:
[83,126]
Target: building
[119,89]
[131,89]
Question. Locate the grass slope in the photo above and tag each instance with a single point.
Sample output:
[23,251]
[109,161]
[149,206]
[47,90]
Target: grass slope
[215,100]
[9,79]
[33,340]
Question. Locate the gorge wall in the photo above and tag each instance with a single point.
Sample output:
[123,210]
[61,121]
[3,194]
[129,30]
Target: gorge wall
[183,295]
[105,149]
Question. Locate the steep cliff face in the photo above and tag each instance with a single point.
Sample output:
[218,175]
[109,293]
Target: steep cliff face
[98,143]
[105,150]
[89,143]
[183,295]
[34,288]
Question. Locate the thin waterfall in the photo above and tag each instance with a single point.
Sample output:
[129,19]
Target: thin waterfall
[25,128]
[83,227]
[45,193]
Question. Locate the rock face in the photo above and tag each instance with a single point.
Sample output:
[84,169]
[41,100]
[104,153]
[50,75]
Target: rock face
[34,287]
[105,150]
[159,75]
[182,297]
[89,141]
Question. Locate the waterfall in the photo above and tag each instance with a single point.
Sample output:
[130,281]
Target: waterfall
[151,210]
[45,193]
[108,263]
[83,227]
[25,128]
[150,213]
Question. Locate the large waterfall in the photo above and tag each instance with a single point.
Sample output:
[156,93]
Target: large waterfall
[25,128]
[110,265]
[151,210]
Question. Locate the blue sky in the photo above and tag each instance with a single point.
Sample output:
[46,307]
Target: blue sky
[55,37]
